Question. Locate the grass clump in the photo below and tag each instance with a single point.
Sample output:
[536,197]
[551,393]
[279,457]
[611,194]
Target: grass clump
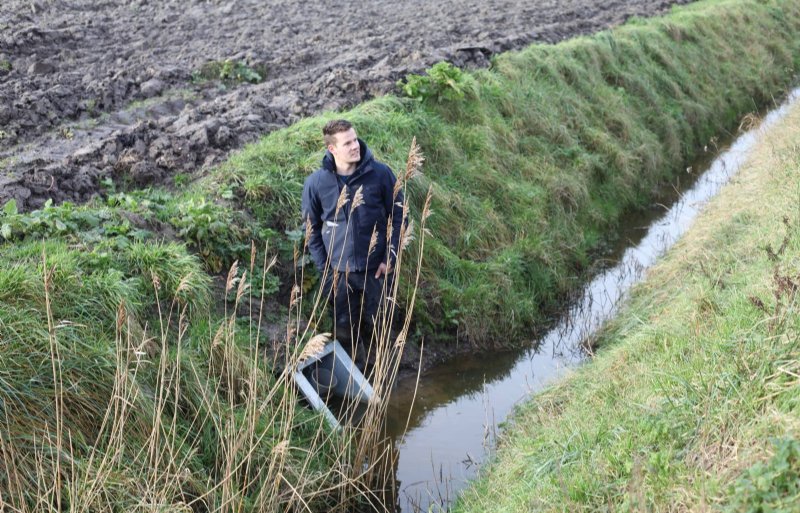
[692,400]
[533,168]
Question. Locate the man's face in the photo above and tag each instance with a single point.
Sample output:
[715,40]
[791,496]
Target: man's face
[346,149]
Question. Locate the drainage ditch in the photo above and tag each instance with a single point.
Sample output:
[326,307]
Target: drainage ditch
[455,413]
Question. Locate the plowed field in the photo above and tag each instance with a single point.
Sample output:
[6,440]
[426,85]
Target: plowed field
[140,91]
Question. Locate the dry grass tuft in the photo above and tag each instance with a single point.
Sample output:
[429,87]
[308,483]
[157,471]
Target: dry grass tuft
[750,121]
[373,240]
[413,166]
[232,272]
[342,201]
[315,345]
[407,236]
[309,232]
[358,198]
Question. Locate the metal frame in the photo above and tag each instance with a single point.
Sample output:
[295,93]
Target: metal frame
[351,383]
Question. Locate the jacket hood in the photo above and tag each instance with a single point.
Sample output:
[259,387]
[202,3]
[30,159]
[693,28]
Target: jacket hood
[329,164]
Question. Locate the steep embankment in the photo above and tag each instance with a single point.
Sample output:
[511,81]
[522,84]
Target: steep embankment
[533,162]
[692,401]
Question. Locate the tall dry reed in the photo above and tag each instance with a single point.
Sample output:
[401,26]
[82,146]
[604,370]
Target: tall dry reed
[162,405]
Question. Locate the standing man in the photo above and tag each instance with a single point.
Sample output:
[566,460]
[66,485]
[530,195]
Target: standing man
[348,240]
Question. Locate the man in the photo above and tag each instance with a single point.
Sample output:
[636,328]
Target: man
[350,203]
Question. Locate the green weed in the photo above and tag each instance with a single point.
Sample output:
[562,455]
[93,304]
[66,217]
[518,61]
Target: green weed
[66,133]
[229,71]
[773,485]
[180,180]
[87,223]
[212,229]
[442,82]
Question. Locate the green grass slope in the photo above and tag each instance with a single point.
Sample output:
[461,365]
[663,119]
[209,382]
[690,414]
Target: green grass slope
[533,162]
[110,396]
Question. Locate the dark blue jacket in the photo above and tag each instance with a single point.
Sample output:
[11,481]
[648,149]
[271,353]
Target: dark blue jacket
[344,239]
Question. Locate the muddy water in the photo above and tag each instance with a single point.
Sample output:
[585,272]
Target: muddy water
[454,417]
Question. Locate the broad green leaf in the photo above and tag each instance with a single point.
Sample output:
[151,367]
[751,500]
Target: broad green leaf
[10,208]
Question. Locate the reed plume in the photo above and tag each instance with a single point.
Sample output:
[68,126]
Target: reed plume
[315,345]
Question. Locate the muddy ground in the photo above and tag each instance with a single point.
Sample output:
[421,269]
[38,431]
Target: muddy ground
[91,89]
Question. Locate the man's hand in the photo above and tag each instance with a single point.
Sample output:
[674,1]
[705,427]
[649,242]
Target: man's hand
[382,269]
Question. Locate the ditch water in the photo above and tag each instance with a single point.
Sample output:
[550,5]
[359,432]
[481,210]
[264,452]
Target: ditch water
[455,413]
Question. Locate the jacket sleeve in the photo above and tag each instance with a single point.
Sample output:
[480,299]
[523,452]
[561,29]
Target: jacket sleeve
[312,213]
[395,206]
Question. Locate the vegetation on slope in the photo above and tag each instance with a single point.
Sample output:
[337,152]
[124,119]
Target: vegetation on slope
[121,387]
[533,162]
[693,400]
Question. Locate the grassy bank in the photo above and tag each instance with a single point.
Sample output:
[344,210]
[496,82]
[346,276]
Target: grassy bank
[118,389]
[692,402]
[534,161]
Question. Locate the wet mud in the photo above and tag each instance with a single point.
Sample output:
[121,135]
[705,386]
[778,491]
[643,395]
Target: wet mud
[133,91]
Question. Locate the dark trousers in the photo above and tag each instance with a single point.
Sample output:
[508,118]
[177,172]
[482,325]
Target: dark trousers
[354,303]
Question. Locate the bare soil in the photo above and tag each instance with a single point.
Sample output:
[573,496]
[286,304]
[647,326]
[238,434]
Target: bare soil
[91,89]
